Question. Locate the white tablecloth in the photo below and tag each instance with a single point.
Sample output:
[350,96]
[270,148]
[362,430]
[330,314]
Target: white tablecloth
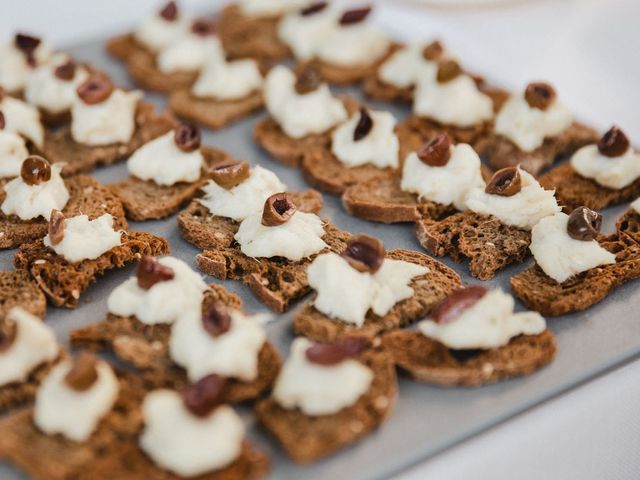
[590,50]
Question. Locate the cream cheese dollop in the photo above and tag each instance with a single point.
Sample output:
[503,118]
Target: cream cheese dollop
[164,302]
[380,147]
[45,90]
[406,66]
[185,444]
[489,323]
[360,44]
[635,205]
[86,239]
[301,115]
[611,172]
[457,102]
[527,126]
[13,151]
[157,33]
[560,256]
[319,389]
[331,276]
[111,121]
[522,210]
[233,354]
[305,34]
[268,8]
[75,415]
[228,80]
[297,238]
[190,53]
[244,199]
[14,68]
[22,118]
[34,344]
[162,162]
[33,201]
[446,185]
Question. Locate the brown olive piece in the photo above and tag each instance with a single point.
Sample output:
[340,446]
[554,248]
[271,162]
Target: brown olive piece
[3,122]
[307,81]
[433,51]
[278,209]
[584,224]
[614,143]
[8,334]
[314,8]
[66,71]
[96,89]
[169,12]
[56,227]
[216,319]
[83,372]
[35,170]
[450,308]
[364,125]
[506,182]
[364,253]
[448,70]
[204,27]
[187,137]
[27,44]
[230,174]
[333,353]
[539,95]
[356,15]
[436,152]
[150,271]
[203,396]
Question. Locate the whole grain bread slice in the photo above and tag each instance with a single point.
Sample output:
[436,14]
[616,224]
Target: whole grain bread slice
[17,289]
[147,348]
[59,145]
[308,438]
[540,292]
[63,282]
[429,361]
[429,289]
[629,225]
[212,112]
[146,200]
[251,36]
[141,65]
[18,394]
[86,196]
[291,151]
[502,152]
[375,88]
[276,281]
[207,231]
[573,190]
[487,243]
[111,452]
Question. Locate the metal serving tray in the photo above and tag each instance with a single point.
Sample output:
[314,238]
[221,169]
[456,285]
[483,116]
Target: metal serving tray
[426,419]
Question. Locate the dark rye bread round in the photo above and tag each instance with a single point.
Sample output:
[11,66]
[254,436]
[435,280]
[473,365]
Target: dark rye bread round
[111,452]
[308,438]
[429,361]
[17,289]
[291,151]
[429,289]
[141,65]
[146,200]
[375,88]
[63,282]
[541,293]
[86,196]
[629,224]
[250,36]
[59,145]
[147,348]
[486,242]
[276,281]
[212,112]
[573,190]
[346,75]
[502,152]
[18,394]
[207,231]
